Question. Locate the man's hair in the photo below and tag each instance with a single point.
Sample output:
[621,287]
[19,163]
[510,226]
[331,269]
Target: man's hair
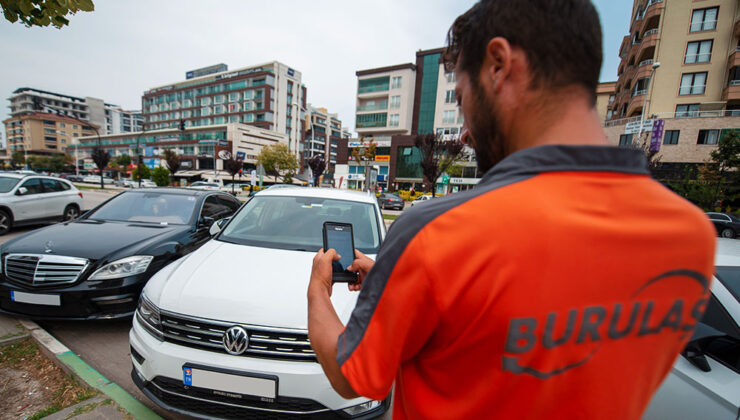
[561,39]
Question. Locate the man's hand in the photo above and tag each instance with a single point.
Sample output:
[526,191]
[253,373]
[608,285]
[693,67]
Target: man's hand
[362,264]
[321,272]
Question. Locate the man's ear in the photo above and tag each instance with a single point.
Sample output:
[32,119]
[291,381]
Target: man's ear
[497,63]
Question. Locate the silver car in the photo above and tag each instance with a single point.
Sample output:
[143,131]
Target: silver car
[705,380]
[28,199]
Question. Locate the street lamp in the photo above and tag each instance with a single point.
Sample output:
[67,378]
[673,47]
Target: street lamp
[644,100]
[82,125]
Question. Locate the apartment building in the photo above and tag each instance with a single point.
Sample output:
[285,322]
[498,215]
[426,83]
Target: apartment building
[680,63]
[110,118]
[323,132]
[44,133]
[269,96]
[435,105]
[385,101]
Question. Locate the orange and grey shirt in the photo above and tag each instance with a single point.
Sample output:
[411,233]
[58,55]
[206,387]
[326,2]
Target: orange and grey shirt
[563,286]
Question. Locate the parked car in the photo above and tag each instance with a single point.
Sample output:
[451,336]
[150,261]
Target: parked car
[74,178]
[95,179]
[421,199]
[145,183]
[202,185]
[236,187]
[96,266]
[727,225]
[123,182]
[179,346]
[390,201]
[29,199]
[705,380]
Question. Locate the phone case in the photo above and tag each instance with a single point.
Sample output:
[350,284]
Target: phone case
[346,276]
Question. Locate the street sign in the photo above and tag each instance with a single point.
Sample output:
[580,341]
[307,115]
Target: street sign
[253,176]
[445,179]
[224,154]
[382,158]
[240,156]
[634,127]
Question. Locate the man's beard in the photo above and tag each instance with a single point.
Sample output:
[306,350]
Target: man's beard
[485,129]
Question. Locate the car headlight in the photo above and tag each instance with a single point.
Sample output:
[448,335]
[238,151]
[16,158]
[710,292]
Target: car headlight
[356,410]
[148,316]
[124,267]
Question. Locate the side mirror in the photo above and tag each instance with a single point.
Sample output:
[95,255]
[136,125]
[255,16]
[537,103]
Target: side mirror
[216,227]
[696,357]
[22,191]
[206,221]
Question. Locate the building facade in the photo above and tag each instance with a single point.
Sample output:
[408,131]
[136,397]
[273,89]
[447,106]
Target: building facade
[108,117]
[269,96]
[44,133]
[435,106]
[198,147]
[680,63]
[385,101]
[324,130]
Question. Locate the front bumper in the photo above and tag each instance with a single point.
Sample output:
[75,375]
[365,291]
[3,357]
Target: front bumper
[303,389]
[86,300]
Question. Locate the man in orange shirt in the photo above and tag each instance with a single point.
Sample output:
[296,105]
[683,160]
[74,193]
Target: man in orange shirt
[563,286]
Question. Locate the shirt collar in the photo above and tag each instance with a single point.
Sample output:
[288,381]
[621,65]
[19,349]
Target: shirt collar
[562,158]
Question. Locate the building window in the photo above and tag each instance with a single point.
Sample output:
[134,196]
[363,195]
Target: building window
[609,114]
[708,137]
[396,83]
[641,86]
[233,97]
[704,19]
[219,109]
[693,83]
[625,140]
[450,77]
[698,52]
[687,110]
[61,125]
[49,131]
[448,117]
[393,121]
[371,120]
[205,101]
[450,97]
[671,137]
[612,98]
[395,102]
[376,84]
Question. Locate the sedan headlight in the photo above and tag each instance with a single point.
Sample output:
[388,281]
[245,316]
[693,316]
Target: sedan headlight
[124,267]
[148,316]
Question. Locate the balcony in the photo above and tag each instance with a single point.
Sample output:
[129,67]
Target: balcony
[736,29]
[373,107]
[635,105]
[732,91]
[734,59]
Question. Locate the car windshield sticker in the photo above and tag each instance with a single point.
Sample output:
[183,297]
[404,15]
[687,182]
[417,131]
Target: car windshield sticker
[191,198]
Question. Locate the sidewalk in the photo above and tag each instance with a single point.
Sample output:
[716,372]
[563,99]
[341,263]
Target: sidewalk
[113,402]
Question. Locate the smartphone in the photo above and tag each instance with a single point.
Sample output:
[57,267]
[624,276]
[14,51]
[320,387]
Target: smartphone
[339,237]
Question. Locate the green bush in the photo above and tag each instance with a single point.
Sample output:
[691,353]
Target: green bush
[161,176]
[145,172]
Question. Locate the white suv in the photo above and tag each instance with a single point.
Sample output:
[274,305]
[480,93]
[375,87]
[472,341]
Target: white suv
[27,199]
[222,332]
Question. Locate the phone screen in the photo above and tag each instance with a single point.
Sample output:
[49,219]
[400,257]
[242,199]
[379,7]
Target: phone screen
[340,238]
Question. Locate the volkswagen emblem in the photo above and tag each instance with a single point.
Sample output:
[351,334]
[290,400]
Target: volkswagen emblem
[236,340]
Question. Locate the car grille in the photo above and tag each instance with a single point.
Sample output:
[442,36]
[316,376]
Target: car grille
[204,402]
[268,343]
[43,270]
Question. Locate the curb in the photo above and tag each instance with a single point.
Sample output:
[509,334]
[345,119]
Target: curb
[71,363]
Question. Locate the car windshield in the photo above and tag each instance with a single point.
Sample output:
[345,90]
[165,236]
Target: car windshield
[7,183]
[730,277]
[150,207]
[297,222]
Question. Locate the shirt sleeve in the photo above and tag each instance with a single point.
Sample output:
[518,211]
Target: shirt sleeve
[395,315]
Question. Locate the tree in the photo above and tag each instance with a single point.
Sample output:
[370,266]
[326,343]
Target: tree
[161,176]
[364,155]
[173,161]
[59,162]
[318,166]
[141,171]
[101,159]
[17,159]
[44,12]
[436,156]
[233,167]
[278,161]
[124,161]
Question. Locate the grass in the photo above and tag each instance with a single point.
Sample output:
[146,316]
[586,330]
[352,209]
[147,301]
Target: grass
[390,216]
[20,331]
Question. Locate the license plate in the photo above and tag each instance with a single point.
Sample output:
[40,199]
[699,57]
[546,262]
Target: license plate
[235,383]
[35,298]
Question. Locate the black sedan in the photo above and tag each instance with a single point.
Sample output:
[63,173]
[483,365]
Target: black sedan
[95,267]
[727,225]
[390,201]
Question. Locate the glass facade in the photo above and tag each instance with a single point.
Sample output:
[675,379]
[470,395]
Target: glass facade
[428,96]
[408,164]
[376,84]
[372,120]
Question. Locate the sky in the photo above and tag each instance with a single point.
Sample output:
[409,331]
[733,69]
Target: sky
[126,47]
